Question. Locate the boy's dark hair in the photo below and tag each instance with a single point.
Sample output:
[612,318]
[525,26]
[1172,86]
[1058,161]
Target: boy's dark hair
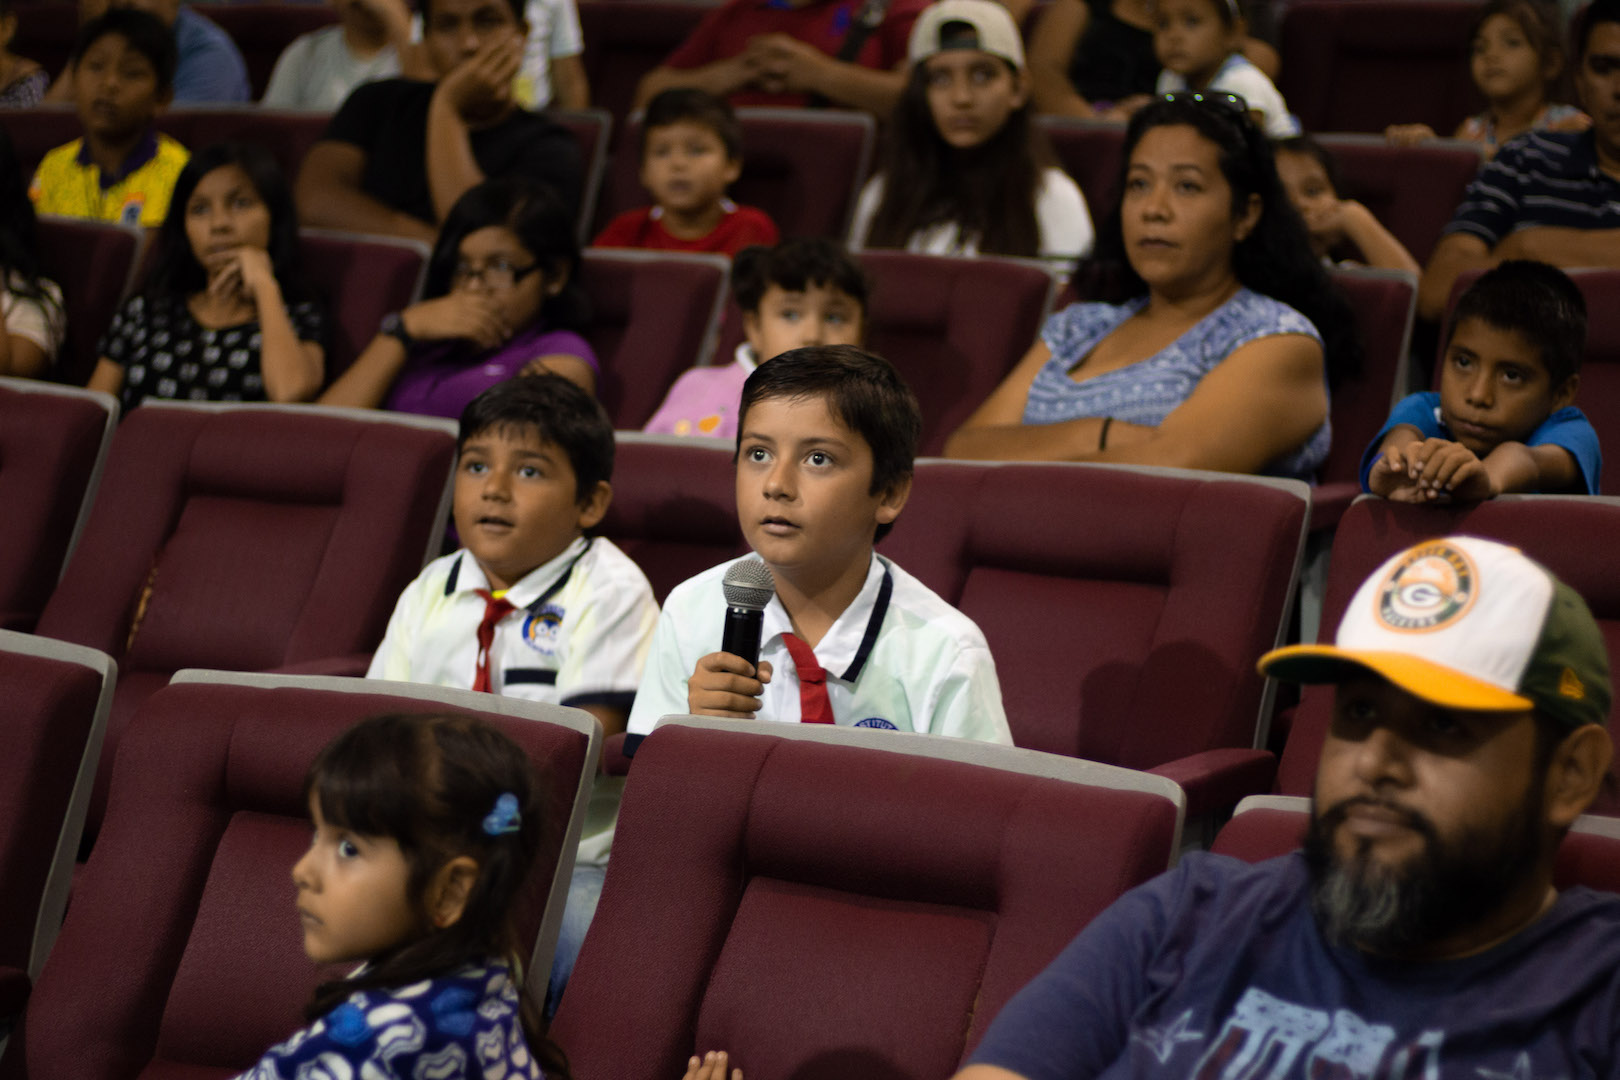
[559,412]
[794,266]
[697,107]
[1536,301]
[862,391]
[1599,11]
[517,6]
[428,783]
[146,33]
[544,227]
[176,272]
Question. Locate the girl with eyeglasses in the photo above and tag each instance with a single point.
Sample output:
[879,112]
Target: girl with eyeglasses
[502,299]
[1221,330]
[224,314]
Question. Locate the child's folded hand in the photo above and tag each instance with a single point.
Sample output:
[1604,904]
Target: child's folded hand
[711,1066]
[1444,471]
[1408,134]
[726,685]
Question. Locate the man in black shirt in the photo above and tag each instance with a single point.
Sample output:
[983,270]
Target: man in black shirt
[400,152]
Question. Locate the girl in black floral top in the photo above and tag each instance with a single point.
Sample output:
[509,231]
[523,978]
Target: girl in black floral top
[224,314]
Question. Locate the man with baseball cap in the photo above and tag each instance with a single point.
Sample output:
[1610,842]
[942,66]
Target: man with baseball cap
[1418,934]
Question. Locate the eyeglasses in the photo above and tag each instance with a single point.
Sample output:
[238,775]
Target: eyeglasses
[1220,99]
[497,273]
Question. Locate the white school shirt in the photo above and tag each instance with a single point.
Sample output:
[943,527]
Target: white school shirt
[1060,213]
[580,635]
[898,657]
[1239,76]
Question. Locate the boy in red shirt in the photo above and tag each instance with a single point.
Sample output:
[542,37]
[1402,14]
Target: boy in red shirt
[691,151]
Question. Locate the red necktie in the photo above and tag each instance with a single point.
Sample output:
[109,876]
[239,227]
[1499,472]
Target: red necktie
[814,706]
[494,611]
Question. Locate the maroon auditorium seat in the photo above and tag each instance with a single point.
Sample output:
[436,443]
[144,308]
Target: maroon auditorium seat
[93,262]
[1384,303]
[1092,152]
[1266,826]
[625,39]
[56,701]
[1361,65]
[180,958]
[842,903]
[1126,607]
[44,127]
[263,31]
[927,315]
[361,279]
[673,511]
[287,134]
[1414,191]
[53,440]
[593,130]
[249,538]
[653,315]
[1599,395]
[1573,536]
[803,167]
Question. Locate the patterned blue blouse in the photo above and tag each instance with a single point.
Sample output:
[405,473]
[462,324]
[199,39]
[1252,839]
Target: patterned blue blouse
[462,1026]
[1149,390]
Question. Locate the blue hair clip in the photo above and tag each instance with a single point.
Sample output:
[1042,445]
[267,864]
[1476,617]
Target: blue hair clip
[505,818]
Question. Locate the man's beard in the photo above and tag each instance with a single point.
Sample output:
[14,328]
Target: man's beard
[1448,887]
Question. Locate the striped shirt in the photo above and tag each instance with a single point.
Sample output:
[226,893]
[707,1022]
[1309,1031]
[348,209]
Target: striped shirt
[1540,179]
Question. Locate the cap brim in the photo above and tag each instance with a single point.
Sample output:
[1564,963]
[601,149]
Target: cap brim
[1432,682]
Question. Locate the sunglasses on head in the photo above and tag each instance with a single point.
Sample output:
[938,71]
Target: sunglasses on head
[1218,99]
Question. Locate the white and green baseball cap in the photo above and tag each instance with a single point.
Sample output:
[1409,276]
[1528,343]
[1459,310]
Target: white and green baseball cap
[1470,624]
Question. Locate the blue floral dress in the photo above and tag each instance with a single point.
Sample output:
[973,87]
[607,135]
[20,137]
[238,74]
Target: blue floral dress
[1149,390]
[462,1026]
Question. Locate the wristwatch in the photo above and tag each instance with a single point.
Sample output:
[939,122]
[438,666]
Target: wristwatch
[393,325]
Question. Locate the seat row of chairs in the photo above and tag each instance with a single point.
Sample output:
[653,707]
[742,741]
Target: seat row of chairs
[805,167]
[757,869]
[1348,65]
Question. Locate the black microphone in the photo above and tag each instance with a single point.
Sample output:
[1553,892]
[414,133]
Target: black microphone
[748,587]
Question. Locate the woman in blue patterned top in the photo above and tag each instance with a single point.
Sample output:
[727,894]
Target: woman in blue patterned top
[425,831]
[1226,331]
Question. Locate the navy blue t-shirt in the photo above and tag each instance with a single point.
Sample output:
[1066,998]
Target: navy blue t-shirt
[1217,970]
[1567,427]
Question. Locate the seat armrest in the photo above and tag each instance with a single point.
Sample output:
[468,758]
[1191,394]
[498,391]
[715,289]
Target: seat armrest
[1217,780]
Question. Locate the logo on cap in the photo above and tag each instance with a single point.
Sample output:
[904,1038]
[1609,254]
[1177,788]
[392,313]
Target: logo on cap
[1433,585]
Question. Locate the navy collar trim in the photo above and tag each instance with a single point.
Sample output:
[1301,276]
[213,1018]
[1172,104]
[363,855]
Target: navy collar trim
[144,151]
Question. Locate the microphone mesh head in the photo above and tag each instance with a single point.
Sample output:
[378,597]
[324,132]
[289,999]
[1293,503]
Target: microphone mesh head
[748,584]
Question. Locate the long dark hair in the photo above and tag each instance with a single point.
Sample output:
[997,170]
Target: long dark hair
[176,272]
[428,783]
[1275,259]
[19,235]
[989,190]
[541,223]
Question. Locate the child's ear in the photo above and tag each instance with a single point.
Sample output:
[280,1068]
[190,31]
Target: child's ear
[594,506]
[1564,395]
[733,170]
[448,891]
[1020,88]
[752,333]
[894,500]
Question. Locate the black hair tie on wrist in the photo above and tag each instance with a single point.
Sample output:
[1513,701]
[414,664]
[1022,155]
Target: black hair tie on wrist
[1102,436]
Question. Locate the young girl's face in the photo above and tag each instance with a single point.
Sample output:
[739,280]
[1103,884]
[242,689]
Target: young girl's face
[1307,186]
[352,897]
[1191,39]
[224,213]
[971,94]
[495,263]
[1504,63]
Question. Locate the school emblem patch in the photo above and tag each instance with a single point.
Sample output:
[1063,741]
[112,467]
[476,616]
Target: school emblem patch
[543,629]
[876,722]
[1428,589]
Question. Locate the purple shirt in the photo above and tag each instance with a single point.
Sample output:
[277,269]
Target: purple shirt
[441,380]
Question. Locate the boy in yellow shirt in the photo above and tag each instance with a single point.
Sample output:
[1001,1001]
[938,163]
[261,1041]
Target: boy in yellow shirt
[122,169]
